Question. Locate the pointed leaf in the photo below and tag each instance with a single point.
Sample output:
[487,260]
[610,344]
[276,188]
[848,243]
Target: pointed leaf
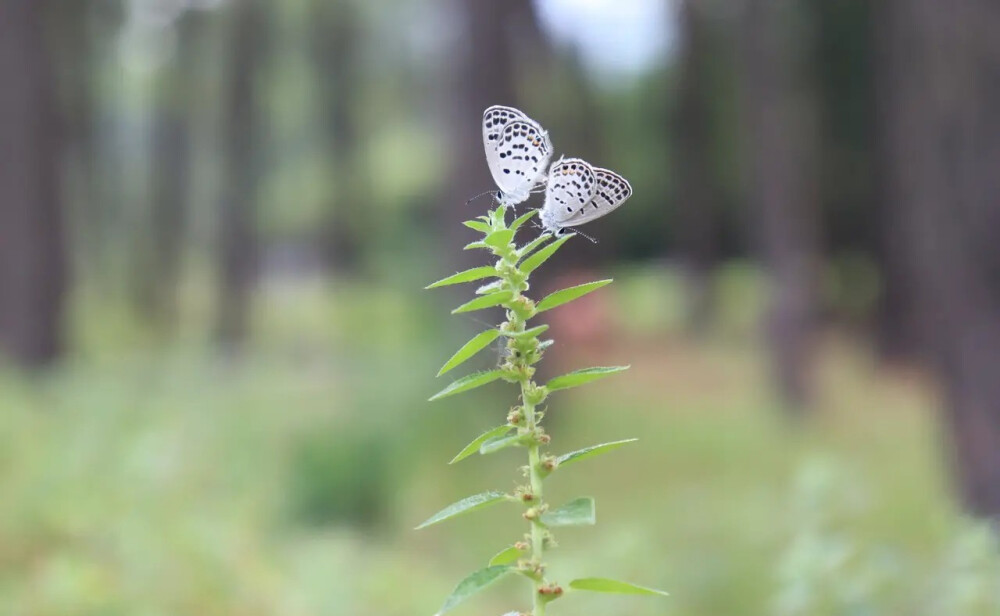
[577,512]
[486,301]
[528,333]
[589,452]
[479,342]
[492,287]
[606,585]
[472,503]
[475,245]
[495,444]
[476,273]
[473,447]
[531,263]
[473,584]
[533,244]
[500,238]
[482,227]
[580,377]
[567,295]
[506,556]
[523,218]
[466,383]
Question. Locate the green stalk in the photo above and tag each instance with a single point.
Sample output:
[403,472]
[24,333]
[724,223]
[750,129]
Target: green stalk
[537,532]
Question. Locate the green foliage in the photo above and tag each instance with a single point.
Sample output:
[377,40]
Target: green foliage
[473,584]
[469,275]
[505,556]
[466,383]
[486,301]
[613,586]
[589,452]
[582,377]
[558,298]
[479,342]
[532,262]
[473,447]
[466,505]
[577,512]
[524,349]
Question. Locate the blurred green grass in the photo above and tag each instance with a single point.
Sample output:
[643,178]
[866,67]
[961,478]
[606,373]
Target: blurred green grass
[143,479]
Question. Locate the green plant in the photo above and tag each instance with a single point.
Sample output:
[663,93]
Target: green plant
[508,282]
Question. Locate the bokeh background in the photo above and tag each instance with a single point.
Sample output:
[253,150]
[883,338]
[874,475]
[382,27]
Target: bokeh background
[217,218]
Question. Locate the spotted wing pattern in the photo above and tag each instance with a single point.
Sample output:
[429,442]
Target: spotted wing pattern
[519,158]
[495,118]
[571,185]
[612,190]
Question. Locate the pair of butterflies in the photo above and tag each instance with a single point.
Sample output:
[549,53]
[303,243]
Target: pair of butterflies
[518,152]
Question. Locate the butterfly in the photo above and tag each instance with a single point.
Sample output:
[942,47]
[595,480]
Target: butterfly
[577,192]
[517,152]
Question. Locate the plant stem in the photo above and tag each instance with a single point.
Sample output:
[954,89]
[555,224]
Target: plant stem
[537,535]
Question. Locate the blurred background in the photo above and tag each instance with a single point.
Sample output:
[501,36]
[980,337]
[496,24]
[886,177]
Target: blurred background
[217,218]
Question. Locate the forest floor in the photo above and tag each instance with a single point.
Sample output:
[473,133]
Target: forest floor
[166,481]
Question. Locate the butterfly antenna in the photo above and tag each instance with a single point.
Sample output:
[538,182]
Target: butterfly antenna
[482,194]
[581,233]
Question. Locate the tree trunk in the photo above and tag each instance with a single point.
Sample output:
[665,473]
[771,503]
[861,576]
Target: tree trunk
[33,268]
[941,123]
[335,47]
[779,158]
[171,155]
[697,192]
[237,242]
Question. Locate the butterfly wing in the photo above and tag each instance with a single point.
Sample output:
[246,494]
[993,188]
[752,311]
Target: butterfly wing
[612,190]
[495,118]
[571,186]
[519,158]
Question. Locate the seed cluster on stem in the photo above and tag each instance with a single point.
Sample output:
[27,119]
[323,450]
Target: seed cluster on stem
[522,350]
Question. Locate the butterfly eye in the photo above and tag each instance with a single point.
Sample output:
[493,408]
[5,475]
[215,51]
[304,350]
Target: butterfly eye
[499,195]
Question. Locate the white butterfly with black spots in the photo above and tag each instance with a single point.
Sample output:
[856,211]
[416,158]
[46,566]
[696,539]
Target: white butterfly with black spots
[577,193]
[517,152]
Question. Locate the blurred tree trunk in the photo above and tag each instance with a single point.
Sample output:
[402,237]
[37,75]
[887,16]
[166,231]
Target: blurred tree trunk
[33,266]
[484,75]
[779,161]
[238,249]
[336,32]
[941,99]
[697,184]
[159,272]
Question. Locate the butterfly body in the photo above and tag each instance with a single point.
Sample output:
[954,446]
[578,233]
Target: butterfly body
[518,151]
[577,192]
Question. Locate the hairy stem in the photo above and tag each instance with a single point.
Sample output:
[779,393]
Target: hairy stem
[537,531]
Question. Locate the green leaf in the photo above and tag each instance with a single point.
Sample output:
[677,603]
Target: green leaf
[606,585]
[580,377]
[489,288]
[506,556]
[486,301]
[482,227]
[499,238]
[473,584]
[533,244]
[528,333]
[475,245]
[466,383]
[577,512]
[479,342]
[472,503]
[589,452]
[567,295]
[523,218]
[476,273]
[473,447]
[531,263]
[495,444]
